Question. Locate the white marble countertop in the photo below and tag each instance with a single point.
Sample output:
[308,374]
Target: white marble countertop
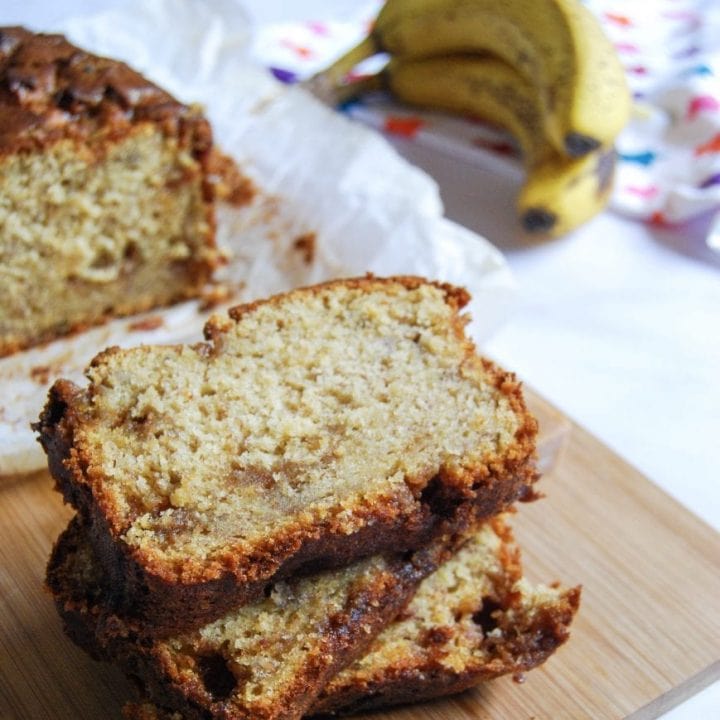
[618,323]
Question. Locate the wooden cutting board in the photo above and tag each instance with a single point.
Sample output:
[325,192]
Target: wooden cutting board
[647,635]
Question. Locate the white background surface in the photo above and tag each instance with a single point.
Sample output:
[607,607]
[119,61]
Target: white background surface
[618,323]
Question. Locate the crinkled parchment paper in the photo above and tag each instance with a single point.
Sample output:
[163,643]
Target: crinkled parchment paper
[334,199]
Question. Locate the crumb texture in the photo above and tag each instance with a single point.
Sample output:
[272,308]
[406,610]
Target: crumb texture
[258,657]
[88,244]
[319,410]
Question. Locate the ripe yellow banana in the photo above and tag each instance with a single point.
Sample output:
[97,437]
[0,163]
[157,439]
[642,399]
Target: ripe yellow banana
[559,192]
[482,87]
[557,45]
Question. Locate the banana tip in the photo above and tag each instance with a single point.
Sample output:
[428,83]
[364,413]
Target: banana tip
[538,220]
[577,144]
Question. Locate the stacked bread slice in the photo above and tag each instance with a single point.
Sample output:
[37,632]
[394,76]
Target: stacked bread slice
[300,515]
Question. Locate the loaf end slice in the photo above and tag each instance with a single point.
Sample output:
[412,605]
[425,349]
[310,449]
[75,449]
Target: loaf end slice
[311,429]
[107,199]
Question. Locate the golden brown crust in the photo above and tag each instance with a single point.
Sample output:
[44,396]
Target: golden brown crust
[456,297]
[51,89]
[156,593]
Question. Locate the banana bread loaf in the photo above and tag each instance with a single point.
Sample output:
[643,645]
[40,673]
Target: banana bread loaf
[105,204]
[264,661]
[474,619]
[313,428]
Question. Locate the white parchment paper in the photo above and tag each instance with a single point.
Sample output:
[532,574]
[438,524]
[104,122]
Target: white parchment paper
[318,175]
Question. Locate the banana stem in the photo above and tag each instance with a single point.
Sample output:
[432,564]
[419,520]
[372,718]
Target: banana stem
[356,88]
[324,85]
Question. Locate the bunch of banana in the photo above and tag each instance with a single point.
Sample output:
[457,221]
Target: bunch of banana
[541,69]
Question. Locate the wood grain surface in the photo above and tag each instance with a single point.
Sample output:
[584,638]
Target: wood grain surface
[647,635]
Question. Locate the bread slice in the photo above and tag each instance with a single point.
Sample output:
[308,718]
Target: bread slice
[474,619]
[313,428]
[106,199]
[264,661]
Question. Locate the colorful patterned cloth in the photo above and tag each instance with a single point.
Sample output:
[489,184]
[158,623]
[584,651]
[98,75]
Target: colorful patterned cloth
[669,170]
